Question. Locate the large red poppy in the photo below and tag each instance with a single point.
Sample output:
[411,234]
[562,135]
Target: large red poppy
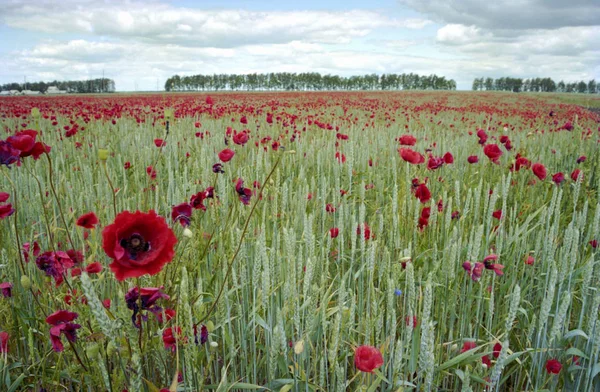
[367,358]
[139,243]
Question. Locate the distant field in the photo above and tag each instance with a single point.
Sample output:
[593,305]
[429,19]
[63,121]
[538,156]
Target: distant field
[454,232]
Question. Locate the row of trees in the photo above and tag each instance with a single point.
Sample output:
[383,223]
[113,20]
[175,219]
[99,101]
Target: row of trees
[101,85]
[308,81]
[535,85]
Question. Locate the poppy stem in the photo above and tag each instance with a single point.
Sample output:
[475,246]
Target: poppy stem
[60,210]
[154,163]
[112,188]
[239,246]
[77,355]
[17,238]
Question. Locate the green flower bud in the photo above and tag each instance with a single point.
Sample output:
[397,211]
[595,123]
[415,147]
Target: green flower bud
[103,154]
[35,112]
[25,282]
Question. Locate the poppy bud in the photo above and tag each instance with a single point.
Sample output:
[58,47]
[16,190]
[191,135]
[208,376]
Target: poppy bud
[169,115]
[35,112]
[214,345]
[187,233]
[25,282]
[103,154]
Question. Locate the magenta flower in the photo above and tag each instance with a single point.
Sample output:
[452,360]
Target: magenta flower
[62,325]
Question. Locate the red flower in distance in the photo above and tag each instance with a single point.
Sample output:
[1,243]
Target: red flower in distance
[88,220]
[159,143]
[240,138]
[407,140]
[539,170]
[334,232]
[411,156]
[226,155]
[3,342]
[182,213]
[558,178]
[367,358]
[473,159]
[139,243]
[575,175]
[493,152]
[4,197]
[6,210]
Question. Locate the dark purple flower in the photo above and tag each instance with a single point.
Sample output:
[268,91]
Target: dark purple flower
[8,154]
[218,168]
[203,334]
[54,264]
[244,193]
[148,301]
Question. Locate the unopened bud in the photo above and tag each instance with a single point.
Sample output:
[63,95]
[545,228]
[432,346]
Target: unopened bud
[187,233]
[103,154]
[35,112]
[25,282]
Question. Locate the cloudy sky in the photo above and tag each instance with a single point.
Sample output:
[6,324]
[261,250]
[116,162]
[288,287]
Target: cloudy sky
[141,43]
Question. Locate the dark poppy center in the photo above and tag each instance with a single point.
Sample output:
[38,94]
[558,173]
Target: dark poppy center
[134,245]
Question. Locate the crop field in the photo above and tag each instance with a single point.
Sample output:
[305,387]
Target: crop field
[391,241]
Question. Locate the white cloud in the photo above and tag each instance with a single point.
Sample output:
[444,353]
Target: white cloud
[160,23]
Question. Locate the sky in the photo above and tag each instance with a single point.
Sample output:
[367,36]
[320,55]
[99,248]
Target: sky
[139,44]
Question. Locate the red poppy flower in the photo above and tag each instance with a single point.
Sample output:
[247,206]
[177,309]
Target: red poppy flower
[6,288]
[4,197]
[334,232]
[367,231]
[226,155]
[581,159]
[240,138]
[422,193]
[182,213]
[473,270]
[411,156]
[497,214]
[529,260]
[3,342]
[88,220]
[558,178]
[496,350]
[61,324]
[539,170]
[93,268]
[244,120]
[473,159]
[139,243]
[244,193]
[486,361]
[407,140]
[468,346]
[482,136]
[434,163]
[6,210]
[553,366]
[329,208]
[171,336]
[367,358]
[159,143]
[341,158]
[127,165]
[448,158]
[594,243]
[151,172]
[493,152]
[575,175]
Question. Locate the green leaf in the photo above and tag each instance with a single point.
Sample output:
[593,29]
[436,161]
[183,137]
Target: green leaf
[576,332]
[575,351]
[247,386]
[467,356]
[17,383]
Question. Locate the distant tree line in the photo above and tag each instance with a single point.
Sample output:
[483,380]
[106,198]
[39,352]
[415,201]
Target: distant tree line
[308,81]
[535,85]
[101,85]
